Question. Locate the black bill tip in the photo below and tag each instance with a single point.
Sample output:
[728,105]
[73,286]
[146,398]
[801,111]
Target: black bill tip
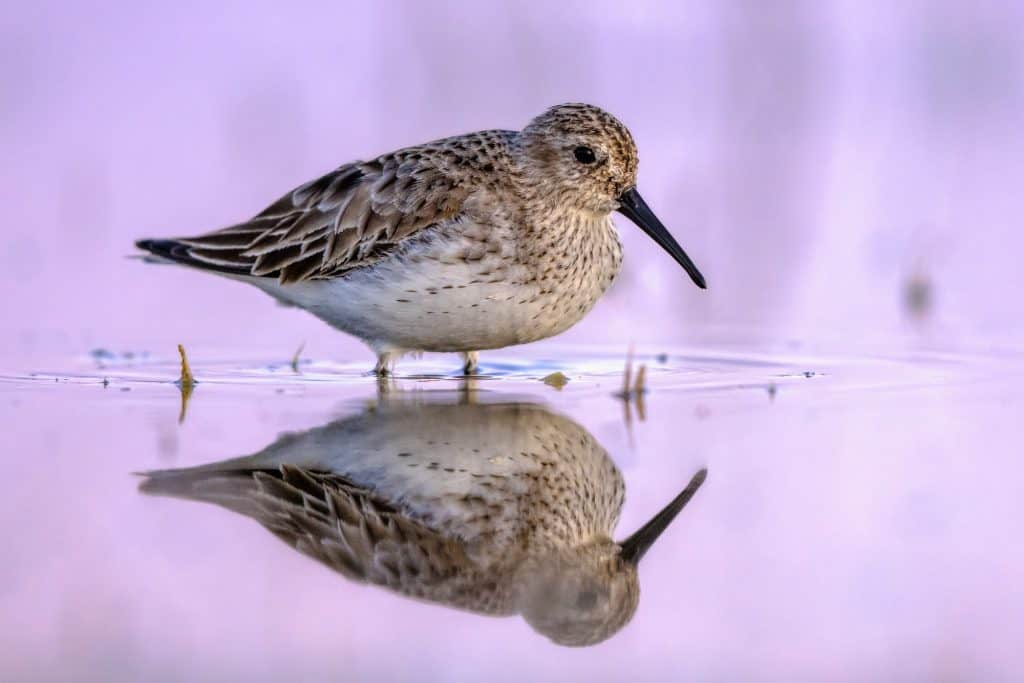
[633,207]
[634,547]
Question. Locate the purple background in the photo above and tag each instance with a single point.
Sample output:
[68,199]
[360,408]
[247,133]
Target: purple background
[812,157]
[816,159]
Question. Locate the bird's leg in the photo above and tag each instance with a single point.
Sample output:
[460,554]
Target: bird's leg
[470,362]
[385,364]
[385,386]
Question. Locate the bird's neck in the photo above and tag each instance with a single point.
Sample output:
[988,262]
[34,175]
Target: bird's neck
[569,229]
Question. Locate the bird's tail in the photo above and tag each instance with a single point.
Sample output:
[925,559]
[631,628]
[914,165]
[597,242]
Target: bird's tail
[151,255]
[162,251]
[232,489]
[177,251]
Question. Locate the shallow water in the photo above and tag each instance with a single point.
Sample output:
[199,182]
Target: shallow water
[845,174]
[859,517]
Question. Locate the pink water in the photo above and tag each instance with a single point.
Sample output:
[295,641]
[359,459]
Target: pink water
[846,175]
[860,523]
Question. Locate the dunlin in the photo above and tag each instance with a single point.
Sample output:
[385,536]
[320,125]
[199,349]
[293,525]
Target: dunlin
[499,509]
[473,242]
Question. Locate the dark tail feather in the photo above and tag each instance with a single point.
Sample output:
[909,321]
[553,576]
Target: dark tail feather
[176,252]
[164,249]
[231,489]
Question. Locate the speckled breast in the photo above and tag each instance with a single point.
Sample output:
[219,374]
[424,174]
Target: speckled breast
[476,288]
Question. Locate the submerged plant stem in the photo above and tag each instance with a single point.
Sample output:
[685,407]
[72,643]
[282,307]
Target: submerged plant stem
[186,383]
[295,358]
[187,378]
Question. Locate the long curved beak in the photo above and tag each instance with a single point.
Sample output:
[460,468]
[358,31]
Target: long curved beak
[633,207]
[634,547]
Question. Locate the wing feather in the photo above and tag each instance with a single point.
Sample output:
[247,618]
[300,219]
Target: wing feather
[344,526]
[350,217]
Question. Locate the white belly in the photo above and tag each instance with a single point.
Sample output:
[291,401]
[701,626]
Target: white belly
[433,302]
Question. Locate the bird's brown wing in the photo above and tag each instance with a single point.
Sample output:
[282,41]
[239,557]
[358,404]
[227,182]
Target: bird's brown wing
[328,518]
[347,218]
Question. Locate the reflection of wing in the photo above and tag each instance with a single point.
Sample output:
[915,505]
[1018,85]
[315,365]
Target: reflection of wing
[345,527]
[467,471]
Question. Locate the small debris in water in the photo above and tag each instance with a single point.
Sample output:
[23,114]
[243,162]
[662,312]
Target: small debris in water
[632,392]
[126,388]
[809,373]
[640,386]
[633,389]
[295,358]
[556,380]
[627,375]
[662,358]
[772,390]
[187,379]
[186,383]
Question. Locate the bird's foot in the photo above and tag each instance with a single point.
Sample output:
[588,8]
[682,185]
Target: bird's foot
[470,362]
[385,366]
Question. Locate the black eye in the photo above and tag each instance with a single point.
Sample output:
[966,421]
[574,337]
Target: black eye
[584,155]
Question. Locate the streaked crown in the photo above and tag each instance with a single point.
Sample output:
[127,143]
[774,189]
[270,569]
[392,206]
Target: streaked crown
[580,155]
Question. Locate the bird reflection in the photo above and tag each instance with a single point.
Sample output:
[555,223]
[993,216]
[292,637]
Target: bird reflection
[495,508]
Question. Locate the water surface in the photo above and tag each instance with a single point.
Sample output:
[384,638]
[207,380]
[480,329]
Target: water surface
[858,518]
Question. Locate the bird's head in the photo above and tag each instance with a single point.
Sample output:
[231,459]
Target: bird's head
[588,594]
[580,157]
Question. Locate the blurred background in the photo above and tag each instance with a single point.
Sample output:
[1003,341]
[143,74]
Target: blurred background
[835,168]
[846,174]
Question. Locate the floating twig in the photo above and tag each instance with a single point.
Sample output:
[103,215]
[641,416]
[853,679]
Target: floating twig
[627,376]
[641,376]
[186,378]
[186,383]
[295,358]
[632,392]
[639,389]
[631,388]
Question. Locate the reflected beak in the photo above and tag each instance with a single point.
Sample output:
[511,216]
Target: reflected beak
[634,547]
[633,207]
